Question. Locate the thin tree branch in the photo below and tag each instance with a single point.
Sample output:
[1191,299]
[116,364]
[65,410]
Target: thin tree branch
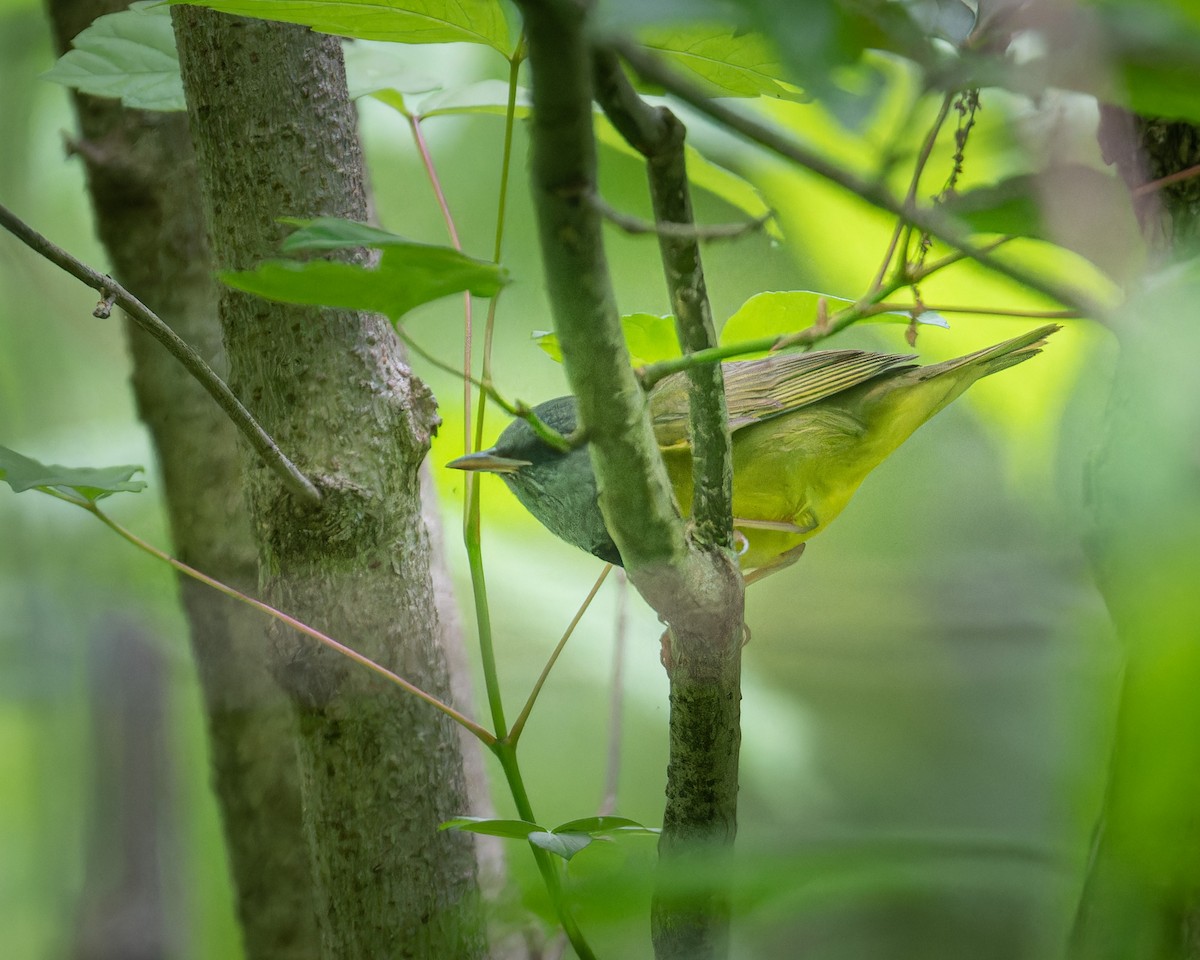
[112,292]
[130,537]
[514,734]
[636,498]
[718,231]
[658,135]
[933,222]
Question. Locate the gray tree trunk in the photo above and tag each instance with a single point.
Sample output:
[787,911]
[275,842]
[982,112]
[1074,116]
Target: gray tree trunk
[275,137]
[142,180]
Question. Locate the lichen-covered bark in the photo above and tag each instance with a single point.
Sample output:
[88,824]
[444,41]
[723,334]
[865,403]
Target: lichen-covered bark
[142,181]
[275,138]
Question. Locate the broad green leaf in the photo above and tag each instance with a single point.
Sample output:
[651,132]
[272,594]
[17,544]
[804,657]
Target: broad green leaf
[650,338]
[776,313]
[399,21]
[91,483]
[485,97]
[595,825]
[407,275]
[512,829]
[729,63]
[373,68]
[564,845]
[1077,207]
[336,233]
[129,56]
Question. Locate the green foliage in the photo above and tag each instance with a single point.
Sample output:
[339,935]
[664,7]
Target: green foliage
[727,62]
[398,21]
[564,841]
[407,274]
[777,313]
[649,337]
[129,56]
[88,483]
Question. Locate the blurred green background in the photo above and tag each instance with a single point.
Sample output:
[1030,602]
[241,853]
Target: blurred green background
[929,694]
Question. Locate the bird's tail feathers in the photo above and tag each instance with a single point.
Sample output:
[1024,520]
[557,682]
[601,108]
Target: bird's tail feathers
[999,357]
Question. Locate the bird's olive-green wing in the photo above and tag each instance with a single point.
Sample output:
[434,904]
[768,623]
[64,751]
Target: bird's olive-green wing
[756,390]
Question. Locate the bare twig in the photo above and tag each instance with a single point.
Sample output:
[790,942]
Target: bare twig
[1176,177]
[144,317]
[686,231]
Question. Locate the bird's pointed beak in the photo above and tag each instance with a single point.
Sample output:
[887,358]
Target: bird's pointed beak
[487,461]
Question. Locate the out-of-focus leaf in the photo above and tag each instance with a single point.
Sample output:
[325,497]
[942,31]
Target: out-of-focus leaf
[336,233]
[399,21]
[1078,207]
[91,483]
[408,274]
[728,63]
[374,68]
[564,845]
[485,97]
[951,20]
[650,338]
[511,829]
[779,312]
[129,56]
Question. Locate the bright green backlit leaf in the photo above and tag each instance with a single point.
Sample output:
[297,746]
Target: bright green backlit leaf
[650,338]
[741,65]
[776,313]
[564,845]
[511,829]
[408,274]
[91,483]
[129,56]
[399,21]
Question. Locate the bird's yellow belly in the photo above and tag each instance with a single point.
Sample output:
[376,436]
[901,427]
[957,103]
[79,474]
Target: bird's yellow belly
[787,485]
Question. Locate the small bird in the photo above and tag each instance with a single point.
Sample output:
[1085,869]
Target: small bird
[806,428]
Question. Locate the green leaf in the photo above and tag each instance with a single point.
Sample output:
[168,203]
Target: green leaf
[564,845]
[399,21]
[336,233]
[650,338]
[598,825]
[129,56]
[91,483]
[1009,206]
[776,313]
[1074,206]
[512,829]
[485,97]
[407,275]
[378,68]
[728,63]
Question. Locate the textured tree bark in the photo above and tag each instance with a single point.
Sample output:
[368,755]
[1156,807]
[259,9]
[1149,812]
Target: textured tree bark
[275,137]
[142,180]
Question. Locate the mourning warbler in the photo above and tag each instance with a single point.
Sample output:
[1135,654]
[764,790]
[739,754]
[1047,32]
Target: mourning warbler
[806,428]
